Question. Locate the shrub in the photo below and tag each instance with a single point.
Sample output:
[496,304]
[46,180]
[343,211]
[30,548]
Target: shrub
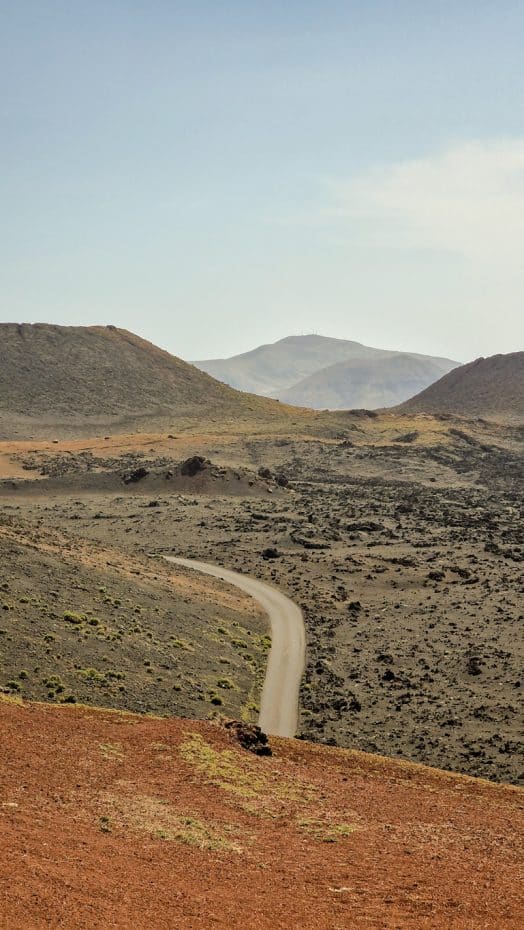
[70,617]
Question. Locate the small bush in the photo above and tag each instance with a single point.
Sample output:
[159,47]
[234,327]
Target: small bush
[76,619]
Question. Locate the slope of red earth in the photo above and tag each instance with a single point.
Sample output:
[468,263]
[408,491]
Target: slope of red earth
[111,820]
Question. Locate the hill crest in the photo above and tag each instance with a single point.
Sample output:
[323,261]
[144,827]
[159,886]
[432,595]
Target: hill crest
[489,388]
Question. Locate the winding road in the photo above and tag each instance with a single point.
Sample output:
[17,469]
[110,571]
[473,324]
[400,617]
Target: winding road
[279,703]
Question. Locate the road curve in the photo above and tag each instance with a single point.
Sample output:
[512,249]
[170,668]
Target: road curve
[279,703]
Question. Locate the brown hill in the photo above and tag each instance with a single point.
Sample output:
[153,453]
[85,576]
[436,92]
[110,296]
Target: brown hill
[491,388]
[112,820]
[68,380]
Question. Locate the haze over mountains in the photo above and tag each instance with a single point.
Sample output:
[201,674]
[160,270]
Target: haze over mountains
[321,372]
[488,387]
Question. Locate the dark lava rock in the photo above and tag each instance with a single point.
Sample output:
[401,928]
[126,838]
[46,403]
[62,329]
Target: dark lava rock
[270,553]
[250,737]
[436,575]
[309,543]
[407,437]
[193,465]
[136,475]
[474,665]
[282,480]
[354,704]
[264,472]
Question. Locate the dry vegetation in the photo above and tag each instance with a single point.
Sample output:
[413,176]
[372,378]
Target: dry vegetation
[86,623]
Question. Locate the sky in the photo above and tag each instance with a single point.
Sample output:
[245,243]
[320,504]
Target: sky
[217,175]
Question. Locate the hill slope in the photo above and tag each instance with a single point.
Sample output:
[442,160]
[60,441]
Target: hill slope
[113,821]
[65,380]
[492,388]
[275,369]
[361,382]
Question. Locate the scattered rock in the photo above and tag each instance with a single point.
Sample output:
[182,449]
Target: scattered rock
[193,465]
[270,553]
[474,665]
[368,526]
[136,475]
[407,437]
[436,575]
[250,737]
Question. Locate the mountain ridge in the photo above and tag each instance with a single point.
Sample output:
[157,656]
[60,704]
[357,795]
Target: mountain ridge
[300,370]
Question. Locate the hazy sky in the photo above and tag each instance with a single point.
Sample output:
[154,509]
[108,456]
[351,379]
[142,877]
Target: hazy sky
[214,174]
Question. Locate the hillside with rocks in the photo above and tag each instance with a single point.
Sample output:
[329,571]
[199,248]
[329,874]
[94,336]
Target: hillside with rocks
[400,541]
[492,388]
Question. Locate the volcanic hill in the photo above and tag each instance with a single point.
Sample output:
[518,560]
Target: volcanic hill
[76,380]
[490,388]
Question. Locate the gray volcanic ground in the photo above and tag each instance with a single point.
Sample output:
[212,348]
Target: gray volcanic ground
[405,555]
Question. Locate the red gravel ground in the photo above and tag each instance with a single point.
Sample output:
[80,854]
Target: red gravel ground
[117,821]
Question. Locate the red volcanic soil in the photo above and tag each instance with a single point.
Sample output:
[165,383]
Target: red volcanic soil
[111,820]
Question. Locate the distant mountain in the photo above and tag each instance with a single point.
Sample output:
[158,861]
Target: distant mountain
[369,383]
[320,372]
[274,366]
[81,380]
[491,388]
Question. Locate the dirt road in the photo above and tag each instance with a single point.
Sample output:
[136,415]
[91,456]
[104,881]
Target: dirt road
[279,704]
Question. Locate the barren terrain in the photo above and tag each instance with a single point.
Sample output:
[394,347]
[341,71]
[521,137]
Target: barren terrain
[401,540]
